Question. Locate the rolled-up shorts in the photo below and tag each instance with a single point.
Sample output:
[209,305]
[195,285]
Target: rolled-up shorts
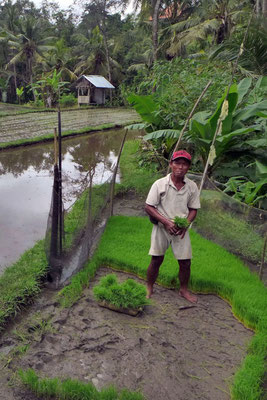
[161,240]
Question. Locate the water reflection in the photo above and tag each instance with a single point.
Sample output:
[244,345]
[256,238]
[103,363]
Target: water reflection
[26,179]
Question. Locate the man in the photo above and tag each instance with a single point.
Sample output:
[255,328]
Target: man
[171,196]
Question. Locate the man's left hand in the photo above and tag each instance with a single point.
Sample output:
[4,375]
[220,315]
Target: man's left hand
[181,232]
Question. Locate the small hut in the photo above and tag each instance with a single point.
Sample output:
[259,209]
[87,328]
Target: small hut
[92,89]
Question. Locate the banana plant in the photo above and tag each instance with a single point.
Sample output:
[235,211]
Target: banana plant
[19,93]
[237,122]
[251,193]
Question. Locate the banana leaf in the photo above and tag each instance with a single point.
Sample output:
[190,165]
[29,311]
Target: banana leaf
[163,133]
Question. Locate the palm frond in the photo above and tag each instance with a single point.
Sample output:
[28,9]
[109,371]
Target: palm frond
[195,33]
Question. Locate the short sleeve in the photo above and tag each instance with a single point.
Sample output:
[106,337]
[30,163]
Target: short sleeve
[153,197]
[194,201]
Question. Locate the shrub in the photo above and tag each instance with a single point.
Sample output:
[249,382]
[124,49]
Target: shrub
[68,100]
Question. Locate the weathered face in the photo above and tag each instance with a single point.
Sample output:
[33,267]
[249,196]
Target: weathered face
[179,167]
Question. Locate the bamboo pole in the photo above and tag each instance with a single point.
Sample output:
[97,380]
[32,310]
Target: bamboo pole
[189,117]
[115,173]
[60,183]
[219,123]
[263,257]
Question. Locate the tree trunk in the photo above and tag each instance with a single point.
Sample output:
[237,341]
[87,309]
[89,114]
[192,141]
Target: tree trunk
[30,76]
[264,8]
[15,77]
[258,7]
[102,28]
[155,23]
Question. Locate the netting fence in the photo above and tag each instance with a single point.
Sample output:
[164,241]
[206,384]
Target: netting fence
[238,227]
[70,235]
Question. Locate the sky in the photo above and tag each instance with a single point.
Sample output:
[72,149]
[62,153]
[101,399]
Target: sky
[64,4]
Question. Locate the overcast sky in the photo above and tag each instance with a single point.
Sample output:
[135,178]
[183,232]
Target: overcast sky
[64,4]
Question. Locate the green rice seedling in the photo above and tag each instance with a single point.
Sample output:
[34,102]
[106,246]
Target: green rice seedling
[181,222]
[22,349]
[129,294]
[22,281]
[240,237]
[70,389]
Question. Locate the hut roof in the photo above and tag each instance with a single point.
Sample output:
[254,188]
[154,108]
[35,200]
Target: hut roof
[98,81]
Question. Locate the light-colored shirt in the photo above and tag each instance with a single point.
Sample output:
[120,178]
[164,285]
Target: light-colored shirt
[171,202]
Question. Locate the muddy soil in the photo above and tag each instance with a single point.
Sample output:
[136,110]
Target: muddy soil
[170,351]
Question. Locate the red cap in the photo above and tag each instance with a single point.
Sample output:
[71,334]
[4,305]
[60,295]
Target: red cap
[181,154]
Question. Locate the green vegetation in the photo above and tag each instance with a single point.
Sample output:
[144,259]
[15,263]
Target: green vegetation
[241,119]
[71,389]
[181,222]
[21,282]
[128,294]
[134,177]
[228,228]
[77,218]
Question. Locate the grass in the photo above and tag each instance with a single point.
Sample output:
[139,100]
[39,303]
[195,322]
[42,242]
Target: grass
[21,282]
[228,228]
[124,246]
[71,389]
[134,177]
[77,218]
[128,294]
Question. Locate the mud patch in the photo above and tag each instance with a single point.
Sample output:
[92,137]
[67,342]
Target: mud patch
[168,352]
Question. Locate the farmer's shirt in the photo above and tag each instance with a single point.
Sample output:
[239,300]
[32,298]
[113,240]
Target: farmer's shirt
[171,202]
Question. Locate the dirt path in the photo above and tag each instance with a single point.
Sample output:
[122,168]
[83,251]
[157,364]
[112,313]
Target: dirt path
[168,352]
[31,125]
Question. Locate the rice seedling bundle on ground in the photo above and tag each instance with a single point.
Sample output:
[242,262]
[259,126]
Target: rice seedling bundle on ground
[128,297]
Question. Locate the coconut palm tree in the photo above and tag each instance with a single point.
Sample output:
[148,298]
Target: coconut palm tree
[254,56]
[28,45]
[93,58]
[61,59]
[210,17]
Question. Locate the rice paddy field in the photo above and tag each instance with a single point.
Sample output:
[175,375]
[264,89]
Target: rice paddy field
[32,125]
[64,346]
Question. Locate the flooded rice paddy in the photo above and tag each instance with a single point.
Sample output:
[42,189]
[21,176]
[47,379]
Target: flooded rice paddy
[26,179]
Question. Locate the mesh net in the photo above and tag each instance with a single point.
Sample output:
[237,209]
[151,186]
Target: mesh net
[80,226]
[238,227]
[71,234]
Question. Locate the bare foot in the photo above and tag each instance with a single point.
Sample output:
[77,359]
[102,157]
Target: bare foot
[149,291]
[188,295]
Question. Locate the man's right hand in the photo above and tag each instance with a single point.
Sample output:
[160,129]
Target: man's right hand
[171,228]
